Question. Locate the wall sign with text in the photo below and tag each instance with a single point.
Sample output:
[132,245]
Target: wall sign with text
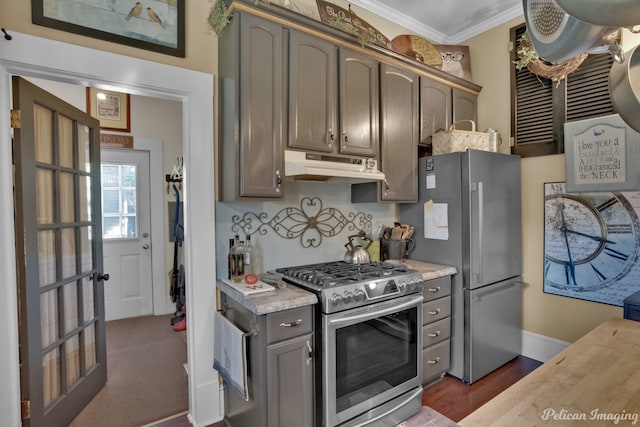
[601,154]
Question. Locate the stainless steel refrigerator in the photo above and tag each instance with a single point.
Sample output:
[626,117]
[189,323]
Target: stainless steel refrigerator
[469,208]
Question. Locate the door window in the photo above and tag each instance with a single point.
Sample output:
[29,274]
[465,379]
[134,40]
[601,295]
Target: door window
[119,201]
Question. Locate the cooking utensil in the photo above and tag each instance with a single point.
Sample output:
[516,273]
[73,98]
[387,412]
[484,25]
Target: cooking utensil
[613,13]
[624,88]
[396,233]
[377,231]
[557,36]
[357,254]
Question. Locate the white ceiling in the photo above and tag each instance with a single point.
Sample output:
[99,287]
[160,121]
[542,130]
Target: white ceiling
[445,21]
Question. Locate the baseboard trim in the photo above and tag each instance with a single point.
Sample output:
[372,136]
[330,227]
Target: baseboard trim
[540,347]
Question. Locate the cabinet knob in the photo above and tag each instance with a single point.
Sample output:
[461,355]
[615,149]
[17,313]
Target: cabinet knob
[433,362]
[433,313]
[434,289]
[437,334]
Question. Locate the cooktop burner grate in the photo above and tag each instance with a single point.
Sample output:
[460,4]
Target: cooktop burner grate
[340,272]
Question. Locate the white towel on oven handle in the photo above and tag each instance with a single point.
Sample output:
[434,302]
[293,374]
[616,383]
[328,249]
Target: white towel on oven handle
[230,354]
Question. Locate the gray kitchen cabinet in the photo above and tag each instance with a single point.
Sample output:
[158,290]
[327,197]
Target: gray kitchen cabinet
[441,105]
[398,139]
[290,382]
[252,54]
[333,97]
[464,106]
[313,93]
[436,329]
[359,99]
[280,366]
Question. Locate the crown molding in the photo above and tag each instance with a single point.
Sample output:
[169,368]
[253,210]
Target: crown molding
[431,34]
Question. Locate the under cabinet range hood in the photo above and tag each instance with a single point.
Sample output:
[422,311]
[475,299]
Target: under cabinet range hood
[323,167]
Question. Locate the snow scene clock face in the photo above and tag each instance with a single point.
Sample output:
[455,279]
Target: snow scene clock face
[591,239]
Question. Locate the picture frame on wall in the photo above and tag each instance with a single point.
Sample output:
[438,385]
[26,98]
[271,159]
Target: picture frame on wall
[111,108]
[154,25]
[591,244]
[455,60]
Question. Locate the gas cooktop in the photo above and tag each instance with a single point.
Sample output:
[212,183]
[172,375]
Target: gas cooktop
[341,285]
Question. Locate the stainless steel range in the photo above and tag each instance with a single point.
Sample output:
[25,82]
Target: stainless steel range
[369,341]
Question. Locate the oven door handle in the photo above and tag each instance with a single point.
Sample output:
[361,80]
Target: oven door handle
[378,313]
[384,414]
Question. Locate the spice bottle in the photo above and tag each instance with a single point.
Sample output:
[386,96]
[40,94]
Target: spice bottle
[231,260]
[248,254]
[239,257]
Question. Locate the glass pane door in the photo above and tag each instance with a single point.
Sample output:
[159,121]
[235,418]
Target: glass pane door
[61,297]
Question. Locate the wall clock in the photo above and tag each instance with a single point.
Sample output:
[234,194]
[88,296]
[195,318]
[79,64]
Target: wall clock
[591,241]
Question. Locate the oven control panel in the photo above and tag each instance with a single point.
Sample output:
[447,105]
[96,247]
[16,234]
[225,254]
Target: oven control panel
[346,297]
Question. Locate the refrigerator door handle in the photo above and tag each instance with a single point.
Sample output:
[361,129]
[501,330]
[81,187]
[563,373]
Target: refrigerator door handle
[476,275]
[478,298]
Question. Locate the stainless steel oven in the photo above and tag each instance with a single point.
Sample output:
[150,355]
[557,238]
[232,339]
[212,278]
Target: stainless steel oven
[372,356]
[368,339]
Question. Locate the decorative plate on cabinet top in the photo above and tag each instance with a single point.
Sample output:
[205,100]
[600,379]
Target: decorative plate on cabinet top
[417,48]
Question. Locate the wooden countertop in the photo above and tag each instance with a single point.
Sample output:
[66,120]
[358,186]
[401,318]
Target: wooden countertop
[593,382]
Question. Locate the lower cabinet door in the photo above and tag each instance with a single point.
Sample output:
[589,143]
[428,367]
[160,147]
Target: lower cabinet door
[290,382]
[435,360]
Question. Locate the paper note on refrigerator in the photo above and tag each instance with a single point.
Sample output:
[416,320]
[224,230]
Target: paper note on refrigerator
[436,221]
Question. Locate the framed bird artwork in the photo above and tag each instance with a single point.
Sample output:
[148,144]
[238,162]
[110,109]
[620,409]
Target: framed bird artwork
[155,25]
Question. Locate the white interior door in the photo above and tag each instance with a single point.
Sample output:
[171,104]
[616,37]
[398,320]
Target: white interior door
[126,233]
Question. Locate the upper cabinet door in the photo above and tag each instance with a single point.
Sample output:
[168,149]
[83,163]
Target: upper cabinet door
[358,104]
[399,134]
[435,108]
[464,107]
[313,93]
[261,107]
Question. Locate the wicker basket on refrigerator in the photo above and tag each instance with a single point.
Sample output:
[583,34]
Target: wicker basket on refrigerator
[453,139]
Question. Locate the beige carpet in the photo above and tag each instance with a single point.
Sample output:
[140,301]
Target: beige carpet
[146,380]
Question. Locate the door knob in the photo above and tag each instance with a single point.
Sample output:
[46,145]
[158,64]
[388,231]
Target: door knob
[145,246]
[101,276]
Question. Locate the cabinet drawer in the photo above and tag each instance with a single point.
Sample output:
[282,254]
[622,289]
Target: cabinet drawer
[435,360]
[436,288]
[436,332]
[287,324]
[436,310]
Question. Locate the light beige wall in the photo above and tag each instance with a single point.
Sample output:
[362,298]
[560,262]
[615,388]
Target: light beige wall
[550,315]
[201,44]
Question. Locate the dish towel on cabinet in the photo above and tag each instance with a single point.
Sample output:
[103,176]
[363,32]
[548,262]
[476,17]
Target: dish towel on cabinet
[230,354]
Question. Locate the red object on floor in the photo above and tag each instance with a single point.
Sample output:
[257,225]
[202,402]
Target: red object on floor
[181,325]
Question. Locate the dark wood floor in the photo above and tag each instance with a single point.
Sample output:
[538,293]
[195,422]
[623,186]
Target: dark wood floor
[451,397]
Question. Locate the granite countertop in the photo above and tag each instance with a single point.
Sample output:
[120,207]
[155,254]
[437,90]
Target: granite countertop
[280,299]
[290,296]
